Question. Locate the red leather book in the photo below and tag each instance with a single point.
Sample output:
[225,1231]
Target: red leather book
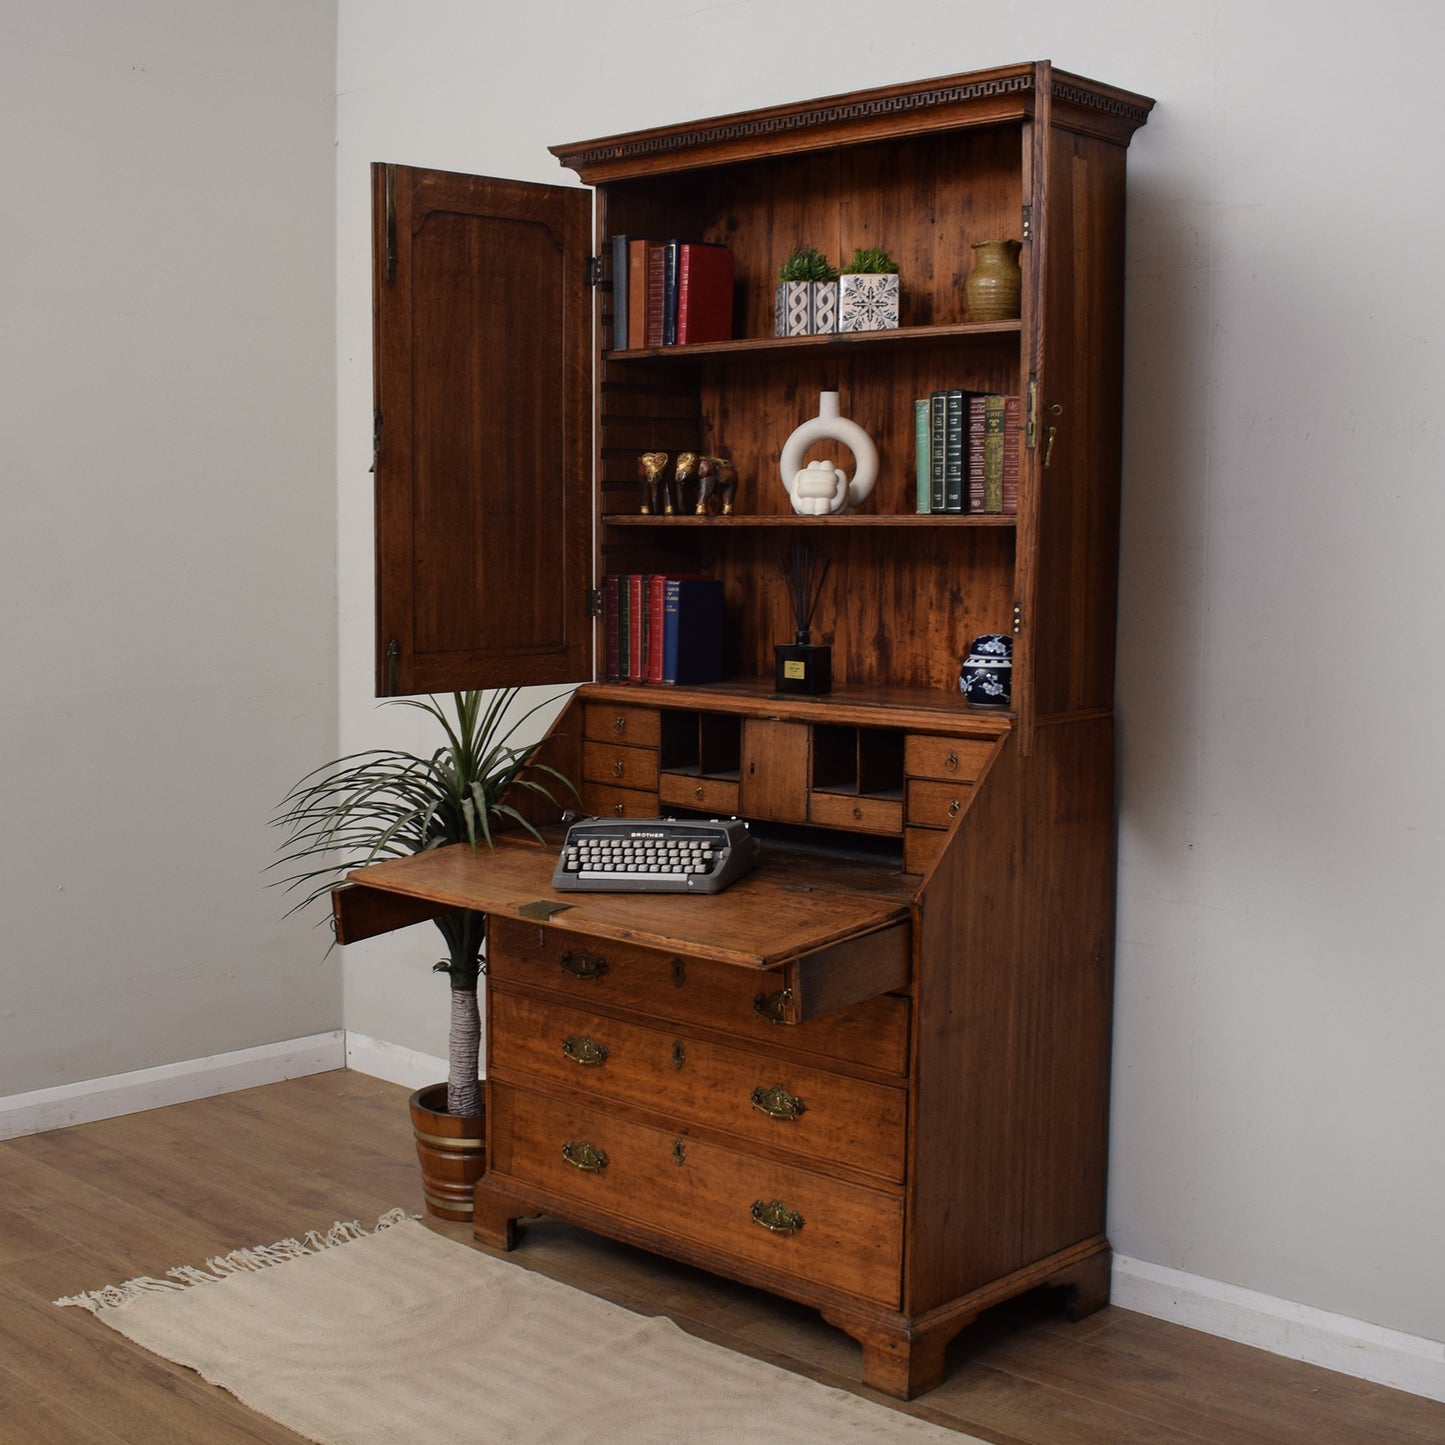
[704,293]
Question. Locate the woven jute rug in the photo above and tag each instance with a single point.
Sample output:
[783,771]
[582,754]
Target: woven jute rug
[398,1336]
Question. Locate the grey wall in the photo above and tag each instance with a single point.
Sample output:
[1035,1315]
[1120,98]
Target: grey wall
[167,574]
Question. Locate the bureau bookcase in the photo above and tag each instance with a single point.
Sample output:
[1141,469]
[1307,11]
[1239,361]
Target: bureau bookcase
[873,1074]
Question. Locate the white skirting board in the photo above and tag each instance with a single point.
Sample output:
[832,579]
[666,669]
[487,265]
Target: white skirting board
[393,1063]
[1298,1332]
[107,1098]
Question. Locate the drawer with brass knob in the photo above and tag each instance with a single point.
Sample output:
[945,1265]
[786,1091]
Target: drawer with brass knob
[830,1118]
[760,1009]
[785,1218]
[619,766]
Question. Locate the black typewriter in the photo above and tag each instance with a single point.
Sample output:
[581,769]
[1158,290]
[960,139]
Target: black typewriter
[654,855]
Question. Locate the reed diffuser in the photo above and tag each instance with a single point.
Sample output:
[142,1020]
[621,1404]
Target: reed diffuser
[803,665]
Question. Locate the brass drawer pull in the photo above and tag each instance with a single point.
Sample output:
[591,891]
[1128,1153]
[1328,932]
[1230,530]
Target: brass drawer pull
[697,792]
[583,1156]
[777,1217]
[679,1054]
[778,1103]
[773,1006]
[619,725]
[585,1050]
[951,762]
[581,964]
[953,808]
[617,768]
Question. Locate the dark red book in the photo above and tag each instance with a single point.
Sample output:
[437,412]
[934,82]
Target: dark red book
[704,293]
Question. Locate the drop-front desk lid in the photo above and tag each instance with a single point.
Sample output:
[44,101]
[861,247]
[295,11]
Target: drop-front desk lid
[831,947]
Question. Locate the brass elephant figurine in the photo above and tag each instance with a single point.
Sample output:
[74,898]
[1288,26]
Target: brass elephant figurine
[656,493]
[714,476]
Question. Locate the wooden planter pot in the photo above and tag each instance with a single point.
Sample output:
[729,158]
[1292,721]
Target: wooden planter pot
[452,1152]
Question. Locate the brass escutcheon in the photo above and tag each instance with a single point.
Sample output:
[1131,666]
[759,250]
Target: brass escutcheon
[777,1217]
[583,1156]
[679,973]
[581,964]
[778,1103]
[583,1049]
[679,1153]
[773,1006]
[679,1054]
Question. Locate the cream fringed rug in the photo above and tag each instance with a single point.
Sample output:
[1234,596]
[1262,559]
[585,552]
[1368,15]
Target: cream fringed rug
[402,1337]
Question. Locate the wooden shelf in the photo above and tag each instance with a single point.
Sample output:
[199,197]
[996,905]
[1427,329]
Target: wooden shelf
[907,519]
[746,347]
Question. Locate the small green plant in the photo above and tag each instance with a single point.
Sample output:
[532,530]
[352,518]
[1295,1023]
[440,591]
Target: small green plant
[807,263]
[871,261]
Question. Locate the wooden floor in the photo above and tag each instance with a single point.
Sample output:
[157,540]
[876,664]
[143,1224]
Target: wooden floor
[97,1203]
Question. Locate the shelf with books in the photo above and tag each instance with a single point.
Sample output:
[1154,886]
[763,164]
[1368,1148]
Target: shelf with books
[741,348]
[867,519]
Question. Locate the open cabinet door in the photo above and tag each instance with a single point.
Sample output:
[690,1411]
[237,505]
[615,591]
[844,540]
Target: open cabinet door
[481,333]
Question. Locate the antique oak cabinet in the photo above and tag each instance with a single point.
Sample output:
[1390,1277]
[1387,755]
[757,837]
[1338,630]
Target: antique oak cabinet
[873,1075]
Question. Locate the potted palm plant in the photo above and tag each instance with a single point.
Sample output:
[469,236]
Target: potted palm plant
[387,803]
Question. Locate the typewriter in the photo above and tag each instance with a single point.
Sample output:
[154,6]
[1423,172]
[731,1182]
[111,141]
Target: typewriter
[654,855]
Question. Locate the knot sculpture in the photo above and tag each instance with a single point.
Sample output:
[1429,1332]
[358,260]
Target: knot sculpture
[822,488]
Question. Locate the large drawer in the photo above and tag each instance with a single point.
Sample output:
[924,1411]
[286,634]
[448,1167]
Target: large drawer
[826,1117]
[842,1236]
[588,972]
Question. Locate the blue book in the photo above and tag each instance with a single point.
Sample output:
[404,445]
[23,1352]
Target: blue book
[692,630]
[619,293]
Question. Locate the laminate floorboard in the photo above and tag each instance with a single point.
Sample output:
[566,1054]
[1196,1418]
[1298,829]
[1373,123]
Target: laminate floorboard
[97,1203]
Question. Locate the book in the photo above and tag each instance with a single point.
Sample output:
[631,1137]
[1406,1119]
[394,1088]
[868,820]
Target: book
[624,626]
[953,451]
[636,626]
[671,256]
[920,456]
[937,428]
[1012,438]
[974,450]
[993,415]
[620,271]
[656,293]
[704,293]
[692,644]
[656,587]
[637,294]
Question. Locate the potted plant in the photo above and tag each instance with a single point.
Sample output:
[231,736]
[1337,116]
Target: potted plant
[805,302]
[868,291]
[388,803]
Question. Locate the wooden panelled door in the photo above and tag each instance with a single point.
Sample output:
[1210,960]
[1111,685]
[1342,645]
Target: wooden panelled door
[482,338]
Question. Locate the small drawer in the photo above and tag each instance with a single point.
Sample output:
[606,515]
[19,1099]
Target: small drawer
[601,801]
[920,847]
[619,767]
[948,758]
[635,725]
[591,972]
[790,1106]
[711,795]
[788,1219]
[863,815]
[936,805]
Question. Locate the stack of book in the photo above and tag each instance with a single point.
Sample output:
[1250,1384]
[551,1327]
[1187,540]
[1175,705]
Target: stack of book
[968,445]
[663,628]
[670,293]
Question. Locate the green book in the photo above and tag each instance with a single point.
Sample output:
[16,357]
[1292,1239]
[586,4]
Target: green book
[993,419]
[920,444]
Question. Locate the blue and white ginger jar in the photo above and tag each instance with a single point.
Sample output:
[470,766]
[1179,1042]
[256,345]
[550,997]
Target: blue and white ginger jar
[986,677]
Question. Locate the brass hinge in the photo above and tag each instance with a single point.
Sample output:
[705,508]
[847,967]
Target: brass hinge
[1031,421]
[596,608]
[391,223]
[1028,223]
[596,270]
[1018,618]
[375,436]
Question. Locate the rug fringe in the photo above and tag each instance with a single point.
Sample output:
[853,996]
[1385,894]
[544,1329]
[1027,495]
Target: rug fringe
[238,1261]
